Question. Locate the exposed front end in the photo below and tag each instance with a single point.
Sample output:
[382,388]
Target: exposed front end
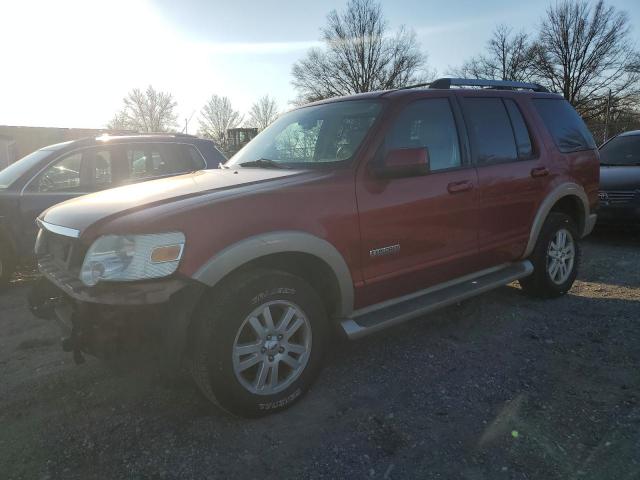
[102,309]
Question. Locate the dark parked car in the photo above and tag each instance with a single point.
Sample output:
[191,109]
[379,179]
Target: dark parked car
[66,170]
[620,180]
[348,215]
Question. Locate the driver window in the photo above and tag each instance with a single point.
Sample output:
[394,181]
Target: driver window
[62,176]
[428,124]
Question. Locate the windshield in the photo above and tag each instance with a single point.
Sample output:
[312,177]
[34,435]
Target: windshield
[20,167]
[623,150]
[311,136]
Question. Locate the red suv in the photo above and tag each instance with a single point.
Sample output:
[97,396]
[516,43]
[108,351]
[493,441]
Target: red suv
[347,215]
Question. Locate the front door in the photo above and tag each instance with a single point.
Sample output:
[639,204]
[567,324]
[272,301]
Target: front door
[421,230]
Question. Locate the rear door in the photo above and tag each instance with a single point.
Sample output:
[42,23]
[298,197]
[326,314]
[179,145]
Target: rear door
[421,230]
[511,175]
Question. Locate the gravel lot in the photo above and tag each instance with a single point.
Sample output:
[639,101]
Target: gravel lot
[500,386]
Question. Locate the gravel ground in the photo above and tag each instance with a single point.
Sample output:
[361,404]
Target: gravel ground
[500,386]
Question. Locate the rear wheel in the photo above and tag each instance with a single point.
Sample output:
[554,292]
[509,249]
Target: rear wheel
[7,263]
[555,258]
[259,342]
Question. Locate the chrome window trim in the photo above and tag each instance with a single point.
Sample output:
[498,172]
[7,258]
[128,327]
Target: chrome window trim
[59,229]
[58,157]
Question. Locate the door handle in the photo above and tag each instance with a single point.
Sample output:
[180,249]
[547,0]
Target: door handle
[539,172]
[458,187]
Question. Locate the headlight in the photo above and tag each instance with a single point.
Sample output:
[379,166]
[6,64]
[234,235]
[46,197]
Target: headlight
[121,258]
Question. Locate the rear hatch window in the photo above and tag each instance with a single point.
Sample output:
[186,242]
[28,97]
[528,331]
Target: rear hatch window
[569,132]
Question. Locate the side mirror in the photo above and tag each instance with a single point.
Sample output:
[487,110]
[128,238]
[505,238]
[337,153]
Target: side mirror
[403,162]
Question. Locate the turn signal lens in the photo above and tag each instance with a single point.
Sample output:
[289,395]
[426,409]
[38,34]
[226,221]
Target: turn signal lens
[168,253]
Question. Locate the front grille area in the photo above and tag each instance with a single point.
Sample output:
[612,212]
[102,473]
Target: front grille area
[618,197]
[59,256]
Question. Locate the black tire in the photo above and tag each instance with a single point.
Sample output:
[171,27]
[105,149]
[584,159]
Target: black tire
[7,264]
[540,284]
[220,318]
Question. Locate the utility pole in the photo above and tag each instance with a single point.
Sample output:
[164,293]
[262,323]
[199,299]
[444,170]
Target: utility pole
[186,122]
[606,119]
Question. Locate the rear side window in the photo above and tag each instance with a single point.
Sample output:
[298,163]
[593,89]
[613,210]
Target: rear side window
[520,130]
[158,160]
[490,130]
[197,162]
[569,132]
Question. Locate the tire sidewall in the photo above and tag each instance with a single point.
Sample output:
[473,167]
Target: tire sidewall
[225,323]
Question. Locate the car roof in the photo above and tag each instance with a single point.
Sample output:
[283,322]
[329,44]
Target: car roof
[128,138]
[630,133]
[425,91]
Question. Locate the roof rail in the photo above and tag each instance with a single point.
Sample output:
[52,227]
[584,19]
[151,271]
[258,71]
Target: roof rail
[491,84]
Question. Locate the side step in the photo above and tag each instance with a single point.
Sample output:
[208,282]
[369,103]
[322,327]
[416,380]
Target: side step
[392,312]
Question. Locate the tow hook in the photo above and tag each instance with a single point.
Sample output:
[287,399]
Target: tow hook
[72,344]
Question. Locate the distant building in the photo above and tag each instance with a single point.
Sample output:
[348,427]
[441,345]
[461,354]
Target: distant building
[238,138]
[16,142]
[7,151]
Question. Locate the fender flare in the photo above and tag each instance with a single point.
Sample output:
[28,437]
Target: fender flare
[252,248]
[559,192]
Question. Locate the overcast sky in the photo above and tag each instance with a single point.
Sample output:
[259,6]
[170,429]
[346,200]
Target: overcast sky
[68,63]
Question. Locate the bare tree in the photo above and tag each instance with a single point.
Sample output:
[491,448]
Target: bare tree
[584,52]
[359,56]
[216,117]
[263,112]
[509,56]
[148,111]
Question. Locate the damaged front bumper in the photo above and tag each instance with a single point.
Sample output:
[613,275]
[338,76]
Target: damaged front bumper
[113,318]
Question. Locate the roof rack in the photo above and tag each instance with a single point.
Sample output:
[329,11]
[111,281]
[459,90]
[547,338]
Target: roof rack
[491,84]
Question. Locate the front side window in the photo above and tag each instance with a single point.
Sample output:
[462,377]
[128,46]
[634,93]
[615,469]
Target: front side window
[428,124]
[83,171]
[63,176]
[489,126]
[622,150]
[569,132]
[311,136]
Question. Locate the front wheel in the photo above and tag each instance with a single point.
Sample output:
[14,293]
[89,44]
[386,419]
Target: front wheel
[555,258]
[259,342]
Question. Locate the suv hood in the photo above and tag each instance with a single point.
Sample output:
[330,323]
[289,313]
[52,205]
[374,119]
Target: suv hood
[619,178]
[82,212]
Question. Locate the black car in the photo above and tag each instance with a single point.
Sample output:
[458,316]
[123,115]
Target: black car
[59,172]
[620,180]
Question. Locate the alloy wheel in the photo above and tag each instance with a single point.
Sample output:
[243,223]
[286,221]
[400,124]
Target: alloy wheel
[272,347]
[561,255]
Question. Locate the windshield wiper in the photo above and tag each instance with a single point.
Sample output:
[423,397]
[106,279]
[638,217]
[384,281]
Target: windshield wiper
[263,163]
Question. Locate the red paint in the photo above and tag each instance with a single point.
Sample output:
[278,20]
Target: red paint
[447,224]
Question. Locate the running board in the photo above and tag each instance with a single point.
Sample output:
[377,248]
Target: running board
[386,314]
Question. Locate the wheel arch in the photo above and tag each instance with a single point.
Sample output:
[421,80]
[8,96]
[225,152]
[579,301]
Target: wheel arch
[568,198]
[300,253]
